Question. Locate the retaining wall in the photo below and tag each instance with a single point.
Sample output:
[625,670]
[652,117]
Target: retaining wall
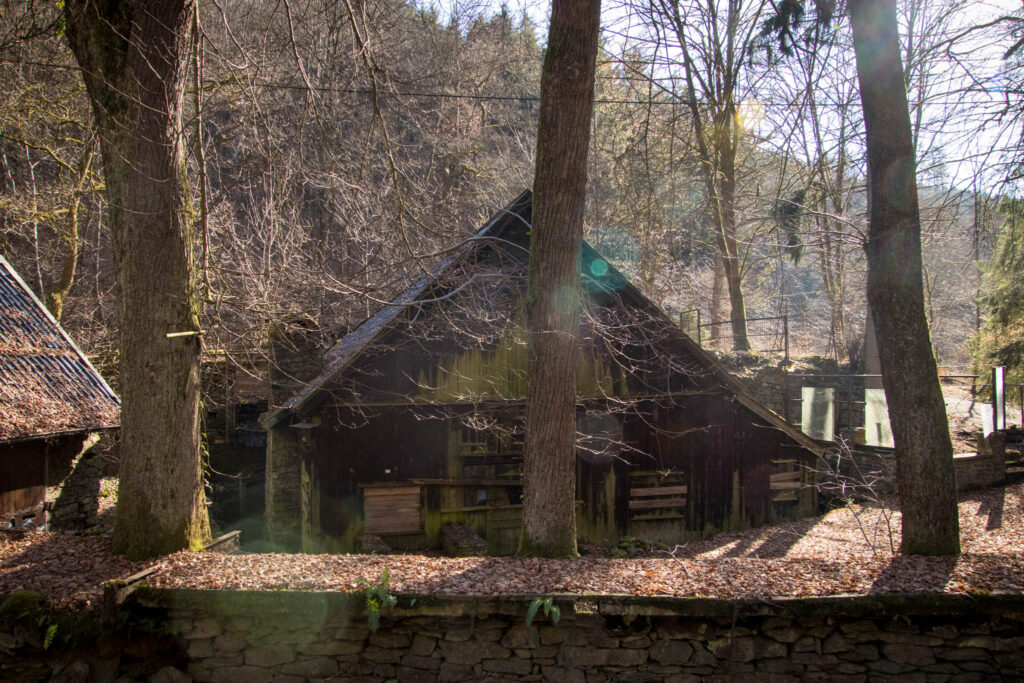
[278,636]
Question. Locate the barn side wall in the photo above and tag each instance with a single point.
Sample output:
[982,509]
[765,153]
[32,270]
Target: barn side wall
[718,459]
[63,472]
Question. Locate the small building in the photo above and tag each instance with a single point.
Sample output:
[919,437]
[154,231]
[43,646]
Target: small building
[415,420]
[54,406]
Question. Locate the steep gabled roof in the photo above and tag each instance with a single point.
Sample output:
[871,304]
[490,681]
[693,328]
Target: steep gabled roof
[47,385]
[513,218]
[348,349]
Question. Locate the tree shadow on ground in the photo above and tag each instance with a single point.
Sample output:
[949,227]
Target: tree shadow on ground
[779,541]
[915,574]
[765,542]
[990,505]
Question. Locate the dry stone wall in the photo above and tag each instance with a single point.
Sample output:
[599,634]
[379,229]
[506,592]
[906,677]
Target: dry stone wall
[234,637]
[855,639]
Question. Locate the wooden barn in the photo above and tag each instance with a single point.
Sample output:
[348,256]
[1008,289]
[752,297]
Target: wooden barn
[53,407]
[415,420]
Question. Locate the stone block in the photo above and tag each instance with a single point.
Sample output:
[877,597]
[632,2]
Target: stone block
[352,632]
[671,652]
[200,648]
[807,644]
[267,657]
[992,643]
[584,657]
[333,648]
[468,653]
[229,642]
[512,666]
[379,655]
[198,672]
[886,666]
[206,627]
[412,661]
[632,642]
[218,661]
[679,630]
[319,667]
[915,655]
[518,636]
[638,677]
[916,639]
[169,674]
[551,635]
[835,643]
[733,649]
[407,675]
[422,646]
[850,668]
[590,637]
[766,648]
[454,672]
[862,652]
[382,671]
[390,639]
[944,631]
[562,674]
[701,658]
[783,634]
[779,665]
[241,674]
[961,654]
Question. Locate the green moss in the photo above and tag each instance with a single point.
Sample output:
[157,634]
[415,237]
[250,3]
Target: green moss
[23,603]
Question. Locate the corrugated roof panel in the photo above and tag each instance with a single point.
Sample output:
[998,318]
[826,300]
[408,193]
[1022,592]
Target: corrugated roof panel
[47,385]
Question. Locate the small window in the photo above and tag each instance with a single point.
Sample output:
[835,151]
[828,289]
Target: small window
[657,495]
[785,480]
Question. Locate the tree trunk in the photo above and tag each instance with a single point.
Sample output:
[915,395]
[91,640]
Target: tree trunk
[916,409]
[133,57]
[70,238]
[553,295]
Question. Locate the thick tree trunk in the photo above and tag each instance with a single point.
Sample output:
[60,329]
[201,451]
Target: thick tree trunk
[133,57]
[553,289]
[916,409]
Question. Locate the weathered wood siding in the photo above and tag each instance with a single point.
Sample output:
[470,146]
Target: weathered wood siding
[671,471]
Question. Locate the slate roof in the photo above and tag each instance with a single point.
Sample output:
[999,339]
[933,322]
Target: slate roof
[47,385]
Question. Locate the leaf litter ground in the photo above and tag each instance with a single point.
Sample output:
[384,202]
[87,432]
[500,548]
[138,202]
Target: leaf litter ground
[845,551]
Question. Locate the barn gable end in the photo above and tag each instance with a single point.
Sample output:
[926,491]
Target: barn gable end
[417,419]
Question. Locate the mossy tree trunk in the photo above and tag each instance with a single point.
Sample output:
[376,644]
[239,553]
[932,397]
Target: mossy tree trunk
[553,288]
[917,412]
[133,57]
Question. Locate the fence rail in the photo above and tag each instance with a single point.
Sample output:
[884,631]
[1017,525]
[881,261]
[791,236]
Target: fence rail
[768,335]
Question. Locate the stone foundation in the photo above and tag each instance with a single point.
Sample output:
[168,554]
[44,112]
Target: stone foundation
[75,466]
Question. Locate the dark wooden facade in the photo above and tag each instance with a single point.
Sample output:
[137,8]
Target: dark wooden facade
[416,420]
[53,407]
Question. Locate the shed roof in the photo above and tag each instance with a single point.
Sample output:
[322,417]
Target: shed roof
[47,385]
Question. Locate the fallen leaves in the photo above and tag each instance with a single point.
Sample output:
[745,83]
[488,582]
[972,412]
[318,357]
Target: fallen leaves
[846,551]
